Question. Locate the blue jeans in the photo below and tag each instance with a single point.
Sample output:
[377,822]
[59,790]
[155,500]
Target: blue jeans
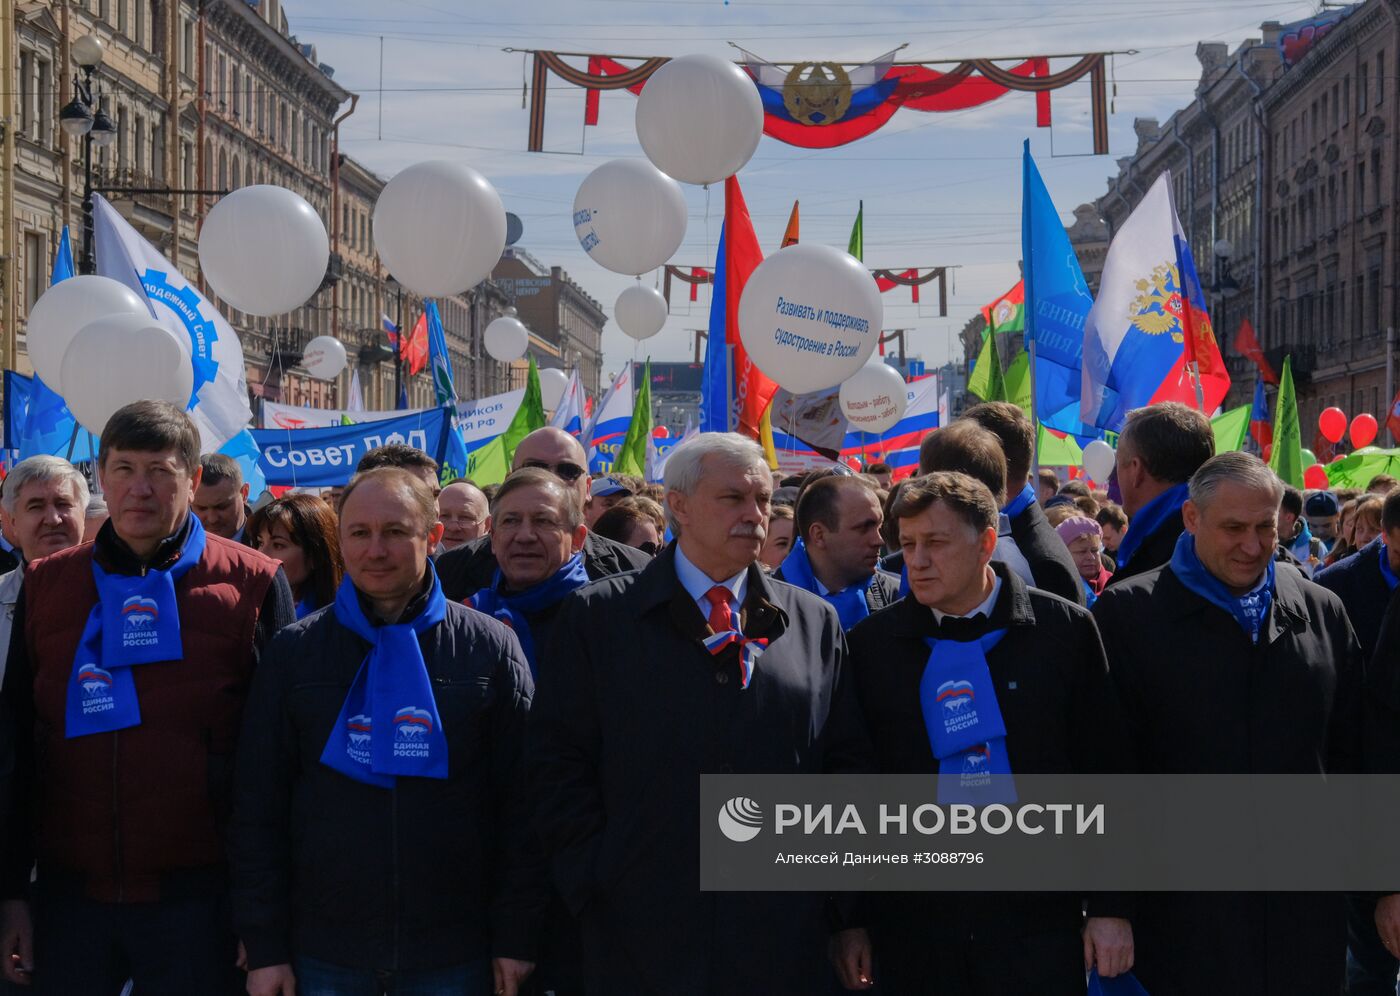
[319,978]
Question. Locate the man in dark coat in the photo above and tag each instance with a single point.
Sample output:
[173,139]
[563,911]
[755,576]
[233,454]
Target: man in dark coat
[1061,715]
[358,864]
[1052,568]
[1160,447]
[472,566]
[639,695]
[838,548]
[1284,672]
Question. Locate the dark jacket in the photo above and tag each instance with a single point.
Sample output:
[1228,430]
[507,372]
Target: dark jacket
[1357,581]
[1061,713]
[883,592]
[631,710]
[428,874]
[1051,565]
[1290,704]
[136,815]
[472,566]
[1154,552]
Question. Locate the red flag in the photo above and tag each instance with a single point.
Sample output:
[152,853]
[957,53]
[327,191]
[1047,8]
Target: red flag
[1247,344]
[1392,421]
[742,254]
[698,275]
[415,346]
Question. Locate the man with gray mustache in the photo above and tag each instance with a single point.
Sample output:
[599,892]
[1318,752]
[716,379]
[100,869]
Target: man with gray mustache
[696,664]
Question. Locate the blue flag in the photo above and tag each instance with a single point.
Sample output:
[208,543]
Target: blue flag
[47,426]
[714,386]
[1057,303]
[243,449]
[438,360]
[322,458]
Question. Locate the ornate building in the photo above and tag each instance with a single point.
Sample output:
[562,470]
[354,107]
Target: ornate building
[565,323]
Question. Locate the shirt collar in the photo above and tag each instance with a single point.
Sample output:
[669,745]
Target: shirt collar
[985,609]
[697,583]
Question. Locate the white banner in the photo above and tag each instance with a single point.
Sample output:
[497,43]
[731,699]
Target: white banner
[280,416]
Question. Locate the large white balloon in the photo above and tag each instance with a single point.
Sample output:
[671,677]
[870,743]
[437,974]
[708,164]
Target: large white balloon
[699,118]
[810,317]
[264,250]
[552,384]
[629,216]
[640,311]
[1099,461]
[120,359]
[506,338]
[873,398]
[439,228]
[324,357]
[63,310]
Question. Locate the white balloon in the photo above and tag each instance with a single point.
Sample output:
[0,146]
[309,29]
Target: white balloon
[629,216]
[640,311]
[324,357]
[264,250]
[63,310]
[506,338]
[810,317]
[699,118]
[552,384]
[873,398]
[120,359]
[1099,461]
[439,228]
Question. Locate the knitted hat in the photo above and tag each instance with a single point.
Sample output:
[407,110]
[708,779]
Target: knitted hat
[1076,526]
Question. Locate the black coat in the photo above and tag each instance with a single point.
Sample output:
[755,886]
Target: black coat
[631,710]
[1357,581]
[1291,704]
[472,566]
[1061,713]
[1155,551]
[1051,565]
[428,874]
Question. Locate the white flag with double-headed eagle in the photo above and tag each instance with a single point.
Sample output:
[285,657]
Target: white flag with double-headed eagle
[219,404]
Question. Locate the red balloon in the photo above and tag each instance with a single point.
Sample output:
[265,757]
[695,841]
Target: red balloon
[1332,423]
[1363,430]
[1316,478]
[1268,451]
[661,432]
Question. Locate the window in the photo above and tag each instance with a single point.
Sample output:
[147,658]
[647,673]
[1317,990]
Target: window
[1380,78]
[1358,300]
[121,16]
[123,153]
[1376,177]
[26,92]
[46,101]
[1360,189]
[35,267]
[1346,97]
[1336,107]
[1362,85]
[158,152]
[1373,299]
[139,21]
[140,157]
[1343,202]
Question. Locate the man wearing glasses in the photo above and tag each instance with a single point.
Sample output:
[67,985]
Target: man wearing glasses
[473,566]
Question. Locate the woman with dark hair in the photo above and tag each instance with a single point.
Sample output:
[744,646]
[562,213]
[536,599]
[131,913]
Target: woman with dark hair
[300,531]
[634,524]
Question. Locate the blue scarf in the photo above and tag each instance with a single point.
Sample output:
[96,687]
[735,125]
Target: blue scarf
[1020,503]
[136,621]
[1390,579]
[389,725]
[306,606]
[849,603]
[1149,519]
[964,723]
[1090,596]
[514,609]
[1249,610]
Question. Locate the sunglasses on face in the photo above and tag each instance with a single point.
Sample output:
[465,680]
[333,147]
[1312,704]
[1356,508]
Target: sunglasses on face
[649,548]
[566,471]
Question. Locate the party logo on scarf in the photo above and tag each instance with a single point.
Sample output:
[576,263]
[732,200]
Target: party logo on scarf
[96,685]
[411,729]
[956,699]
[139,616]
[357,732]
[976,767]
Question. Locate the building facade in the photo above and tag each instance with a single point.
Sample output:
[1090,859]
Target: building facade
[566,324]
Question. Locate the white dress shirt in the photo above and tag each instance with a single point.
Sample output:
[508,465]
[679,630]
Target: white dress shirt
[985,609]
[697,583]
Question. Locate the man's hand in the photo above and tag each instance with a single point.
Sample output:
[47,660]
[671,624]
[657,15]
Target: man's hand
[1388,923]
[16,942]
[509,974]
[274,980]
[849,951]
[1108,944]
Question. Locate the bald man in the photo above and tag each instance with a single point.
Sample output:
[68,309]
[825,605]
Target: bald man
[464,513]
[472,566]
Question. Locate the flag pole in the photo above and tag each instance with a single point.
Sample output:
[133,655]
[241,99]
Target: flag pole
[1195,368]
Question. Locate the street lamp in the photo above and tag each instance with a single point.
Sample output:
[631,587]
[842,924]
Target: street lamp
[84,117]
[1225,285]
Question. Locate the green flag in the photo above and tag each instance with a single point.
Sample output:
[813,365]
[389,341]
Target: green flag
[1057,451]
[346,419]
[987,380]
[491,463]
[1286,460]
[1231,428]
[632,455]
[856,247]
[1018,383]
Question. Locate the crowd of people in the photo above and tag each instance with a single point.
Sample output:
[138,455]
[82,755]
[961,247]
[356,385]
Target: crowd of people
[412,739]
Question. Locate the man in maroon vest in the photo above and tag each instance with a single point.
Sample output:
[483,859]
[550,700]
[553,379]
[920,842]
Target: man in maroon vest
[128,669]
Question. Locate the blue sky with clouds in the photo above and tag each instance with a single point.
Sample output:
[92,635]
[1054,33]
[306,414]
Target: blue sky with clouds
[939,189]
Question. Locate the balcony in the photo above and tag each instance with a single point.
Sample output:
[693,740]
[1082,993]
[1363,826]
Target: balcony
[286,344]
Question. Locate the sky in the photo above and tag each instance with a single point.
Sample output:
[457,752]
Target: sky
[938,189]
